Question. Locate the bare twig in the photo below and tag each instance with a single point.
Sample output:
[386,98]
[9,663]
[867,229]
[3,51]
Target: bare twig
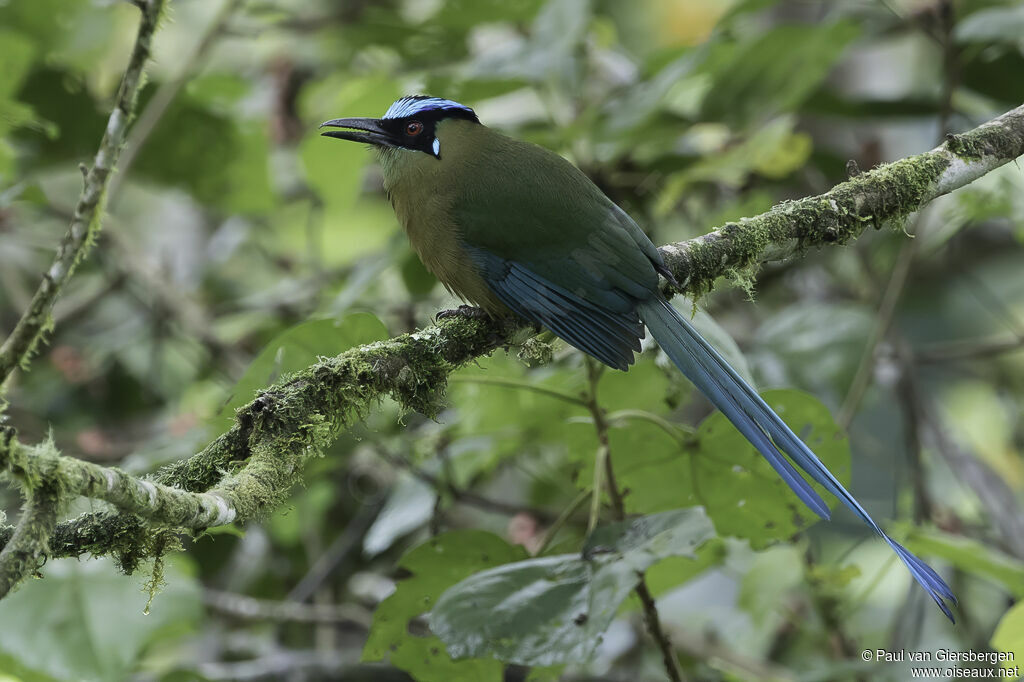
[249,608]
[465,496]
[347,542]
[883,320]
[604,460]
[85,224]
[942,353]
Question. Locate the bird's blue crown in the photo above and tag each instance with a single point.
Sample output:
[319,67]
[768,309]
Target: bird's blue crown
[414,105]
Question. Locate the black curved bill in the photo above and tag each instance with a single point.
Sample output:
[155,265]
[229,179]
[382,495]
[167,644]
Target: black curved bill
[367,130]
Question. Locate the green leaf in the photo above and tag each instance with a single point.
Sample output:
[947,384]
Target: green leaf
[298,348]
[773,73]
[512,416]
[86,621]
[555,609]
[819,344]
[1009,634]
[73,124]
[435,566]
[549,55]
[16,53]
[418,280]
[673,571]
[410,504]
[995,24]
[718,469]
[743,494]
[224,162]
[652,468]
[773,151]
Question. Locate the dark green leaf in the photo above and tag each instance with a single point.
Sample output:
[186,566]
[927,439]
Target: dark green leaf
[773,73]
[742,493]
[555,609]
[97,616]
[418,280]
[435,566]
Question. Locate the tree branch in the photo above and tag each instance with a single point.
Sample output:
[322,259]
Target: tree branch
[85,224]
[253,464]
[891,191]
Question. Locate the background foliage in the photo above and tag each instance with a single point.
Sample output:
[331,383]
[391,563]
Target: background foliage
[240,245]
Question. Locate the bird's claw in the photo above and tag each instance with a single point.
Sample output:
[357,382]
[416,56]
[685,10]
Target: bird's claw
[467,312]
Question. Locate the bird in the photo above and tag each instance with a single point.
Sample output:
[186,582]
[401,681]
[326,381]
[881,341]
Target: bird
[516,229]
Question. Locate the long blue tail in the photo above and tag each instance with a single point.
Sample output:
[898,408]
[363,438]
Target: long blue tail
[713,376]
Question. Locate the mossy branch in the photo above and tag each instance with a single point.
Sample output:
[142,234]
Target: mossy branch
[888,193]
[17,349]
[252,466]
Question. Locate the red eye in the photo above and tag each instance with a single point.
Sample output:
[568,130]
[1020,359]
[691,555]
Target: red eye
[413,128]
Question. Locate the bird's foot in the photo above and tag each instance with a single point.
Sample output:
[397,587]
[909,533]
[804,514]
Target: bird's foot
[464,311]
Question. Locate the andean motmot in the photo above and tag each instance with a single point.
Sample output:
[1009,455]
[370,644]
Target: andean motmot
[518,230]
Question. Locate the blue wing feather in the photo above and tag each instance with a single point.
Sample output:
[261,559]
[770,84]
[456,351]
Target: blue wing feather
[611,337]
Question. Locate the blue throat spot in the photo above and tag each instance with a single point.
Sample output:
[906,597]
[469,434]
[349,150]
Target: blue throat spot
[410,106]
[437,147]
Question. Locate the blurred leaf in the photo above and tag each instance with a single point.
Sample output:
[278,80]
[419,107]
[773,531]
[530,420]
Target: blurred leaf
[548,55]
[814,344]
[463,15]
[555,609]
[301,518]
[438,36]
[218,90]
[74,122]
[994,24]
[773,151]
[435,566]
[995,73]
[825,102]
[221,160]
[16,53]
[97,617]
[296,349]
[773,73]
[12,670]
[47,22]
[410,504]
[418,280]
[765,587]
[1009,634]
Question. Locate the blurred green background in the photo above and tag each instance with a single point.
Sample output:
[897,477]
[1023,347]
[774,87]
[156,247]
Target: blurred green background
[239,245]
